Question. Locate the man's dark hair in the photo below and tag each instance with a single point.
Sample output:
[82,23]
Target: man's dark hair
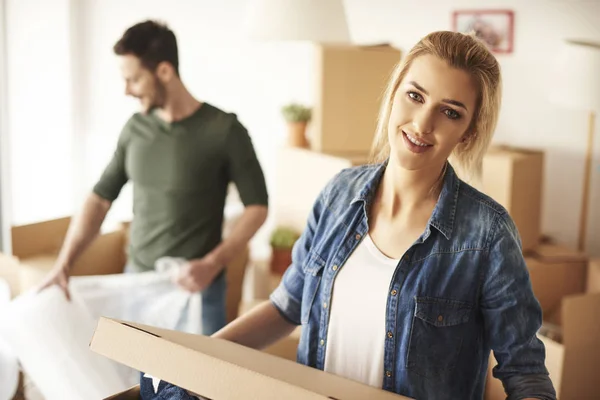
[150,41]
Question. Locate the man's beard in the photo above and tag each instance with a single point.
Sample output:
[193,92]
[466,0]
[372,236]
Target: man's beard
[157,100]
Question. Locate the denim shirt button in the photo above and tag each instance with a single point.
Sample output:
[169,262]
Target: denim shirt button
[357,237]
[440,318]
[390,335]
[322,342]
[324,305]
[335,267]
[388,373]
[394,292]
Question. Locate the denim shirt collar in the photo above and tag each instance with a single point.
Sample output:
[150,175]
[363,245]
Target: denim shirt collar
[444,212]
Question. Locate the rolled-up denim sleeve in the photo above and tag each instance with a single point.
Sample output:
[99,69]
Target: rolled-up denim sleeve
[513,316]
[287,297]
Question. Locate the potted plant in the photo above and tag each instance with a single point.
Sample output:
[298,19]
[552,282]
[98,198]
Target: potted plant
[282,242]
[297,117]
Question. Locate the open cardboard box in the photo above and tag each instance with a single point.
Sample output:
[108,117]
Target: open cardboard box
[218,369]
[558,276]
[35,248]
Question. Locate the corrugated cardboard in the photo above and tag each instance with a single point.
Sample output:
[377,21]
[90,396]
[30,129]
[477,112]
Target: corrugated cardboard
[221,370]
[573,364]
[556,271]
[37,246]
[235,280]
[593,276]
[301,176]
[514,178]
[350,81]
[106,255]
[558,276]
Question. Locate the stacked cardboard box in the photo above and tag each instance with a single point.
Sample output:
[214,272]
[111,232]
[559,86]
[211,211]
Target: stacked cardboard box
[514,178]
[350,81]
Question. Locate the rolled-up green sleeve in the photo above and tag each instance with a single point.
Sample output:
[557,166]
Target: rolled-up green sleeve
[114,176]
[243,167]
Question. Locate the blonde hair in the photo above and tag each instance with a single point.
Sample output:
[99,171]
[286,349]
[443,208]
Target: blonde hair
[467,53]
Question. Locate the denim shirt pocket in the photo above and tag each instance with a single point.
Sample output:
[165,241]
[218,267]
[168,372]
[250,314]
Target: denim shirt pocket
[437,335]
[313,272]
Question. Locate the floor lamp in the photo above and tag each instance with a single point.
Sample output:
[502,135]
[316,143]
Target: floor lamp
[577,85]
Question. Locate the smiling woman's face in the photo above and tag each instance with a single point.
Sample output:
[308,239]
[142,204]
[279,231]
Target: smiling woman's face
[431,112]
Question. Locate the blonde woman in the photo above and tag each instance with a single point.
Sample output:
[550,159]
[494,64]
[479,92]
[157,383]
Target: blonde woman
[406,277]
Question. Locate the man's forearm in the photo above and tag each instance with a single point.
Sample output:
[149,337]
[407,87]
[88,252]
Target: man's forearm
[83,229]
[249,223]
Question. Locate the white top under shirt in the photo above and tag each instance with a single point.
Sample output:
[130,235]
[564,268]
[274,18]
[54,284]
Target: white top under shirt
[357,332]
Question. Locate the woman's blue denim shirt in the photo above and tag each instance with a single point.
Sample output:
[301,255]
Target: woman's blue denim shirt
[461,290]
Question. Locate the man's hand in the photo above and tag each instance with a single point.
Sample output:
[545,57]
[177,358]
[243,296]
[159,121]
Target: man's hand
[196,275]
[58,276]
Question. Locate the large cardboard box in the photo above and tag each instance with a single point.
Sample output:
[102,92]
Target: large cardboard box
[37,246]
[350,81]
[514,178]
[593,276]
[571,331]
[301,175]
[218,369]
[556,271]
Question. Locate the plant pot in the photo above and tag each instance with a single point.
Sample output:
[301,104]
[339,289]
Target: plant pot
[297,134]
[281,259]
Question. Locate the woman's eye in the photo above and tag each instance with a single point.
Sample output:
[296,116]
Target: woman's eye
[415,96]
[450,113]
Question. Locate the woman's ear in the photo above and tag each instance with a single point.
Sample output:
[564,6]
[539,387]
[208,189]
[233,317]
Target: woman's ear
[468,136]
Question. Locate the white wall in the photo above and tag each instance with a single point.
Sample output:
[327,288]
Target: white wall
[252,79]
[39,109]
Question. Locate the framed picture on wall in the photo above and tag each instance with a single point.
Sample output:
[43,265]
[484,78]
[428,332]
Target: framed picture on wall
[494,27]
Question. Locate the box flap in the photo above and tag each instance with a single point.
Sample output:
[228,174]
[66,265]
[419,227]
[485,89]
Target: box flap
[553,281]
[556,253]
[512,152]
[581,338]
[218,369]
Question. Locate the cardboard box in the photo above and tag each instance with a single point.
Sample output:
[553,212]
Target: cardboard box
[556,271]
[558,277]
[593,276]
[221,370]
[285,348]
[350,82]
[301,175]
[514,178]
[37,246]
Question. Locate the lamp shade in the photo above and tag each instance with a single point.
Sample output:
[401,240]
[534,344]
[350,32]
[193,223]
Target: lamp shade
[321,21]
[577,79]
